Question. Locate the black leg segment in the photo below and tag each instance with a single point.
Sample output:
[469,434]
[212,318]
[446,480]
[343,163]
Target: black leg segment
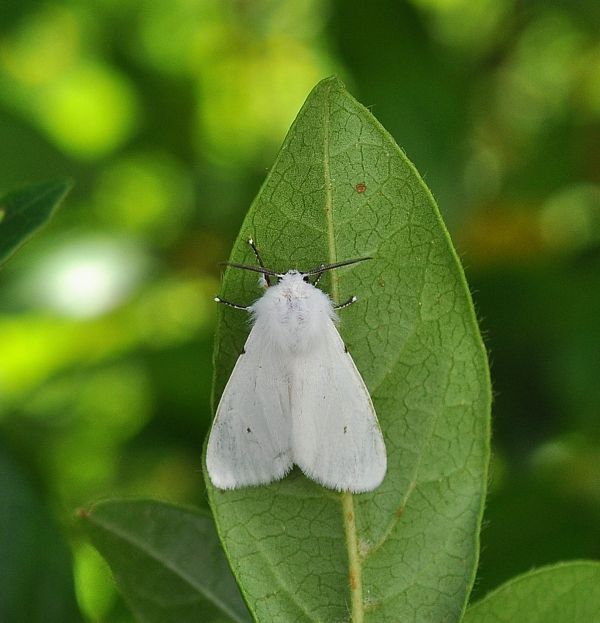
[347,303]
[259,259]
[218,299]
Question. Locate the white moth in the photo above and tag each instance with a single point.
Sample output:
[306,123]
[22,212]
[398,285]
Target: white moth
[295,395]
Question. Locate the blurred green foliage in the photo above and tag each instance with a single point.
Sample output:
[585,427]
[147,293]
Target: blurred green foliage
[167,115]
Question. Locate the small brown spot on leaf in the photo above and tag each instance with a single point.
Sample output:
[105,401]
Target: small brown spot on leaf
[361,187]
[400,512]
[353,582]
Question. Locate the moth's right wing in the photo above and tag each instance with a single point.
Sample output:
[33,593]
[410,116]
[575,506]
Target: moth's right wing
[249,443]
[336,437]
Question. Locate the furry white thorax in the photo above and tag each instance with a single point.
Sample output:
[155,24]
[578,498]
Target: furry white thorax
[293,312]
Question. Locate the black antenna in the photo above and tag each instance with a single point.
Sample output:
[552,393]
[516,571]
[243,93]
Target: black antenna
[257,269]
[325,267]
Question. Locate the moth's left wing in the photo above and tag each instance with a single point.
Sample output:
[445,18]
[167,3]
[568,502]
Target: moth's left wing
[249,442]
[336,439]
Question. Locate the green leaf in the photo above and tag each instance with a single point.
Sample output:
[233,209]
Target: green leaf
[564,593]
[35,563]
[167,561]
[341,188]
[23,212]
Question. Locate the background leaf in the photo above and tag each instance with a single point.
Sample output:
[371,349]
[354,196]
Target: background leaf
[562,593]
[340,188]
[167,561]
[35,562]
[23,212]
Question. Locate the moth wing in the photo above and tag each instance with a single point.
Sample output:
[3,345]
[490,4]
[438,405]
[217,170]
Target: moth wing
[336,439]
[249,442]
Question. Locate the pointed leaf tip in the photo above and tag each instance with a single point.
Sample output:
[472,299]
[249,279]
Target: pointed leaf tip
[24,212]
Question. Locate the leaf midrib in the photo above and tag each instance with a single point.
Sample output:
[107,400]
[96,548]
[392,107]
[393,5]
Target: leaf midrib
[35,199]
[346,498]
[13,241]
[150,552]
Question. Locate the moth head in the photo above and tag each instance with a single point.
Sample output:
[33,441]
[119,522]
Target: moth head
[293,275]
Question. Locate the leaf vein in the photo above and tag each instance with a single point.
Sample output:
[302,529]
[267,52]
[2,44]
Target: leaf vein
[149,551]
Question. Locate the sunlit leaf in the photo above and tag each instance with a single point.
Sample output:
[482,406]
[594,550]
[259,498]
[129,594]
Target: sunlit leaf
[562,593]
[167,561]
[341,188]
[23,212]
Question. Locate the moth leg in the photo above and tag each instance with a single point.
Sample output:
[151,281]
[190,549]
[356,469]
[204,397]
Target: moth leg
[218,299]
[259,260]
[347,303]
[319,275]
